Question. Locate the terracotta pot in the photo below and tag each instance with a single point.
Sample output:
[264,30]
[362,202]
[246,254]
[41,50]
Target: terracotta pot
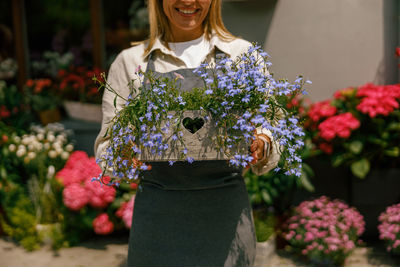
[49,116]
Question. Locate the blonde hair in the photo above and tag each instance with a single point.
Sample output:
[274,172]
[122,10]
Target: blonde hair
[159,24]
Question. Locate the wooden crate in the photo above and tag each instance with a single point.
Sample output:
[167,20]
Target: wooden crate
[200,144]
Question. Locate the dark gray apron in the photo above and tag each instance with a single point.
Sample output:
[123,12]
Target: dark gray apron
[189,215]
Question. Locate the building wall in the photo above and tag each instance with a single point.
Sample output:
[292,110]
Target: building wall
[334,43]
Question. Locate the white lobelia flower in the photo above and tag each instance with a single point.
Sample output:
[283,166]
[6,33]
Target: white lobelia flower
[69,147]
[64,155]
[12,147]
[52,154]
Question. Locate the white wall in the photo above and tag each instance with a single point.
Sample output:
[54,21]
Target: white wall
[334,43]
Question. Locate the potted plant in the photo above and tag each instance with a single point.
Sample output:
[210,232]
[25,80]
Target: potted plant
[359,129]
[43,100]
[80,94]
[324,231]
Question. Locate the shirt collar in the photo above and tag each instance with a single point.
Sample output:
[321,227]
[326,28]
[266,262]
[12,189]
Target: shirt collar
[215,41]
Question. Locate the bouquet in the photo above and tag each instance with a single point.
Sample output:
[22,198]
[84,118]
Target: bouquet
[389,229]
[359,126]
[325,231]
[238,96]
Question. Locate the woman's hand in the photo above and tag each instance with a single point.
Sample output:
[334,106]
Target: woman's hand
[260,148]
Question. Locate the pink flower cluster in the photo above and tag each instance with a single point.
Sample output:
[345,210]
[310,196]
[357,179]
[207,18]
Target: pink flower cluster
[125,212]
[324,229]
[79,190]
[389,229]
[321,110]
[102,224]
[340,125]
[378,99]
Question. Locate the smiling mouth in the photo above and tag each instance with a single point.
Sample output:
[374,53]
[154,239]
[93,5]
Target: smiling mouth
[187,11]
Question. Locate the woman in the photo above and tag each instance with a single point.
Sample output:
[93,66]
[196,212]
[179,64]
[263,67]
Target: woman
[189,214]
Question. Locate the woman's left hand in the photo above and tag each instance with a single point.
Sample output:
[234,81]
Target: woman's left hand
[257,148]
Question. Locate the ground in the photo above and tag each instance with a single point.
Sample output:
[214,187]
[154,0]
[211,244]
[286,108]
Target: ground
[111,252]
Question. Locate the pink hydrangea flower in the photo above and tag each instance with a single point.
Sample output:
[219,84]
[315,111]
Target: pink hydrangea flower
[75,197]
[126,212]
[389,228]
[102,225]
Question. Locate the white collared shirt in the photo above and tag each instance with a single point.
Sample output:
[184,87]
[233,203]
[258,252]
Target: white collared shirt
[122,72]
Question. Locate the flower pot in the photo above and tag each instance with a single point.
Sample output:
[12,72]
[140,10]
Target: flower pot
[371,196]
[49,116]
[83,111]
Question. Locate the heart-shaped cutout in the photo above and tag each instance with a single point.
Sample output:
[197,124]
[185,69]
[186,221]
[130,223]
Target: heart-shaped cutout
[193,125]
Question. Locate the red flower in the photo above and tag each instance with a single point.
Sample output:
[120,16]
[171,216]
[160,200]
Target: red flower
[326,147]
[102,225]
[397,51]
[4,112]
[321,109]
[75,197]
[339,125]
[378,100]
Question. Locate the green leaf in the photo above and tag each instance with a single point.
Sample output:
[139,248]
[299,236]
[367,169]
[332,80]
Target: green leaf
[338,160]
[356,147]
[115,101]
[392,152]
[305,182]
[266,196]
[395,126]
[360,168]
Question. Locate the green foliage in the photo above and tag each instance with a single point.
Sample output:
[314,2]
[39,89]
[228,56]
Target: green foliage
[264,225]
[20,223]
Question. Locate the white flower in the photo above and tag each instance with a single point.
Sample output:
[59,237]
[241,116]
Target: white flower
[12,147]
[61,138]
[17,139]
[51,137]
[22,147]
[40,136]
[31,155]
[51,171]
[46,146]
[20,153]
[64,155]
[69,147]
[56,145]
[38,146]
[26,140]
[31,146]
[52,154]
[59,150]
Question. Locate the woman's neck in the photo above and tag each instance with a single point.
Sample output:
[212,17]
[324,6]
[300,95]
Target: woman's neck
[185,36]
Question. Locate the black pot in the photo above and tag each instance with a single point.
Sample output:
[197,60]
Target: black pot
[371,196]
